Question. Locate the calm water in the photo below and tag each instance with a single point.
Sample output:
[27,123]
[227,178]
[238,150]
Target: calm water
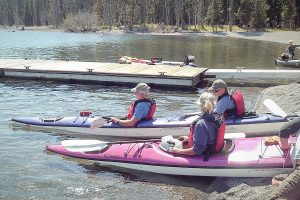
[209,52]
[27,172]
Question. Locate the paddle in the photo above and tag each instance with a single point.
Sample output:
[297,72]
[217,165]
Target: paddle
[96,145]
[274,108]
[98,122]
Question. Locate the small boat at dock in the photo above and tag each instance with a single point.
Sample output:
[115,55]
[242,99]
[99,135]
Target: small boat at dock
[288,63]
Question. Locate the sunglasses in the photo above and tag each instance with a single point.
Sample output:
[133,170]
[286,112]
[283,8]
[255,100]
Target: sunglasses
[217,90]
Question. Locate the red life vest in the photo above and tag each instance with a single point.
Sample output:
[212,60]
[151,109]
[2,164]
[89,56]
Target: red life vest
[151,110]
[239,102]
[219,137]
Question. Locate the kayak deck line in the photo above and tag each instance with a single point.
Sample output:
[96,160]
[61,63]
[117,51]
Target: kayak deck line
[241,76]
[108,73]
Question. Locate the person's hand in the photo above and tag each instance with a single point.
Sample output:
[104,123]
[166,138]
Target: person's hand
[183,138]
[115,120]
[175,150]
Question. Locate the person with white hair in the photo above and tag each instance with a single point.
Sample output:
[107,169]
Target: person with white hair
[143,108]
[203,131]
[291,49]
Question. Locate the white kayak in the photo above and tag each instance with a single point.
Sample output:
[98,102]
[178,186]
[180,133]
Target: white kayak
[255,125]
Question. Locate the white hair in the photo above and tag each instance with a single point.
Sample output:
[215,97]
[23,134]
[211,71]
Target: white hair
[206,102]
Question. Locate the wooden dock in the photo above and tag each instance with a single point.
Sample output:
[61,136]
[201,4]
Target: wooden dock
[171,76]
[108,73]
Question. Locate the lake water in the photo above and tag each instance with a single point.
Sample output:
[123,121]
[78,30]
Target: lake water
[210,52]
[28,172]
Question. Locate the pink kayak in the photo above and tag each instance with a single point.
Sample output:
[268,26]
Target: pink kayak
[242,157]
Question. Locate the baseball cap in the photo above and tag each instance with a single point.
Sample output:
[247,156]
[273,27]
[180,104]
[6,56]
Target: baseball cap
[141,87]
[217,84]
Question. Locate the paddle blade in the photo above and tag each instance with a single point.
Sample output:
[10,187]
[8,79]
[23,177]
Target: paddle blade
[83,145]
[97,123]
[274,108]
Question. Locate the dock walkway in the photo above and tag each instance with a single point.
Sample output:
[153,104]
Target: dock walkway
[114,73]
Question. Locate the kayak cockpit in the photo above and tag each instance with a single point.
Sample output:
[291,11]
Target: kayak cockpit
[51,119]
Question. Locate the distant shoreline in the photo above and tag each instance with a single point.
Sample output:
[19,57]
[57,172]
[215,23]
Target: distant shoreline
[271,36]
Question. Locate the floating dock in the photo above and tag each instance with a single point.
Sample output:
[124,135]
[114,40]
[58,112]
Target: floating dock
[106,73]
[161,75]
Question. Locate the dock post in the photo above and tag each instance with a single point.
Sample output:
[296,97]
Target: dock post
[2,73]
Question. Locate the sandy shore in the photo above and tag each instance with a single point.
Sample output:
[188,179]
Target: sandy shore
[276,36]
[272,36]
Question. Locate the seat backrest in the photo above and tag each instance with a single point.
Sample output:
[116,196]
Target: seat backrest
[220,138]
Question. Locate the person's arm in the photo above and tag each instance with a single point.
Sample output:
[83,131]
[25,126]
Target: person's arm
[224,104]
[139,113]
[183,138]
[188,151]
[200,142]
[287,50]
[221,106]
[284,143]
[126,122]
[200,139]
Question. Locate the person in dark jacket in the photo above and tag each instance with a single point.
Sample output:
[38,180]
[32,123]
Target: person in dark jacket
[203,132]
[291,49]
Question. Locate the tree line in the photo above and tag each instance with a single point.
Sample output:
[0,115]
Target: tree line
[92,15]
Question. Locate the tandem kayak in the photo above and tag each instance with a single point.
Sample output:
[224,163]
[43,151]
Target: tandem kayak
[242,157]
[288,63]
[254,125]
